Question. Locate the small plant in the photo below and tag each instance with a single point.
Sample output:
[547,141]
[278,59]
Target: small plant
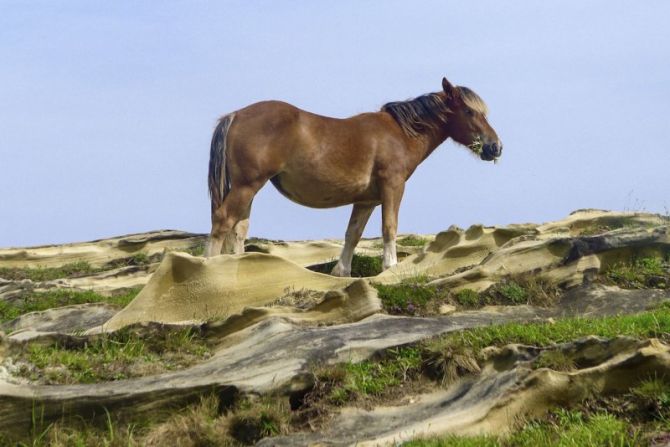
[254,420]
[513,292]
[139,259]
[409,297]
[467,298]
[648,272]
[448,359]
[523,289]
[364,266]
[197,249]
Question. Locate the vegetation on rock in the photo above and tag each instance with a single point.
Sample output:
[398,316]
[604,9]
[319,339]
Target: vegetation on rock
[54,298]
[362,266]
[119,355]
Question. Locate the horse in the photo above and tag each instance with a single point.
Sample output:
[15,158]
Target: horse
[324,162]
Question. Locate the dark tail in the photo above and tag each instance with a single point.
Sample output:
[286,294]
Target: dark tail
[218,179]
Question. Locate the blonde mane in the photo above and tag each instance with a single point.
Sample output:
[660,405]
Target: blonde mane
[429,112]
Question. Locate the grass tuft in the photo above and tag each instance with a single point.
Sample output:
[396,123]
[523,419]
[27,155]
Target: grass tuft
[447,362]
[116,356]
[412,241]
[256,419]
[347,382]
[555,359]
[362,266]
[641,273]
[38,274]
[467,298]
[410,297]
[563,428]
[38,301]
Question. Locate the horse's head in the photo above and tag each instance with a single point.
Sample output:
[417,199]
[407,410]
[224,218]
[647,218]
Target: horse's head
[467,123]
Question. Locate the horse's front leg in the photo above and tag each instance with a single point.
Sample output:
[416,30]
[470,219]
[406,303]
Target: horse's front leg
[359,217]
[391,197]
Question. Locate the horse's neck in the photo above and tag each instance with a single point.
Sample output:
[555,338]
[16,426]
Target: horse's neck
[428,143]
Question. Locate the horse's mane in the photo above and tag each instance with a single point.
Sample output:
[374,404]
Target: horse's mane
[428,112]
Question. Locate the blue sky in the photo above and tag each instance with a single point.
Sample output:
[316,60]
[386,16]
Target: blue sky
[108,107]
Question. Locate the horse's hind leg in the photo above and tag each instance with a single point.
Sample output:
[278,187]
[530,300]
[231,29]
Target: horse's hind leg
[235,208]
[359,217]
[234,242]
[391,197]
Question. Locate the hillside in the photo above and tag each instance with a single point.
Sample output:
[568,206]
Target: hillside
[529,334]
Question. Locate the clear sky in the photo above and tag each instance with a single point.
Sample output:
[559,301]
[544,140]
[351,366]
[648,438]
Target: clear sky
[107,108]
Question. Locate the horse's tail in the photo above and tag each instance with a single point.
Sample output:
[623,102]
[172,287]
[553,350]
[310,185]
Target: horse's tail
[219,179]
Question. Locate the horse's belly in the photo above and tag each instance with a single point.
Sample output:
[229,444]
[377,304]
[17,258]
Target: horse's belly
[322,192]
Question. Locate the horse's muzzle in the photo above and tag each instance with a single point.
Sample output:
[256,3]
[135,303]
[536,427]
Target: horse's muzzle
[491,151]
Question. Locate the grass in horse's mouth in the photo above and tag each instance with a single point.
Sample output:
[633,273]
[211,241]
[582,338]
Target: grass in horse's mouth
[476,146]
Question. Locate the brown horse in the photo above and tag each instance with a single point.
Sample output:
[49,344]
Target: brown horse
[325,162]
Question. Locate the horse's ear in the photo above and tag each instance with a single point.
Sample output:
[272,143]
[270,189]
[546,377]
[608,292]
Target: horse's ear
[449,89]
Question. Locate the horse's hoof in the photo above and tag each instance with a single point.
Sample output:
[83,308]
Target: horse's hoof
[339,271]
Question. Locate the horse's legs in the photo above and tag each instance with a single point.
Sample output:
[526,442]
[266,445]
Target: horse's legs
[235,208]
[237,237]
[391,196]
[359,217]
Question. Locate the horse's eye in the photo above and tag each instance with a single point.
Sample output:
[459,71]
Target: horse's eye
[470,112]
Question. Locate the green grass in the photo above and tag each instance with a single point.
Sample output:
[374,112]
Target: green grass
[349,381]
[467,298]
[197,249]
[654,323]
[513,292]
[522,289]
[254,420]
[115,356]
[555,359]
[37,301]
[564,429]
[653,396]
[411,296]
[74,269]
[640,273]
[412,241]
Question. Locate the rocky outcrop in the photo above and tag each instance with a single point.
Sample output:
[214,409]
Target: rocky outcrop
[270,318]
[496,400]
